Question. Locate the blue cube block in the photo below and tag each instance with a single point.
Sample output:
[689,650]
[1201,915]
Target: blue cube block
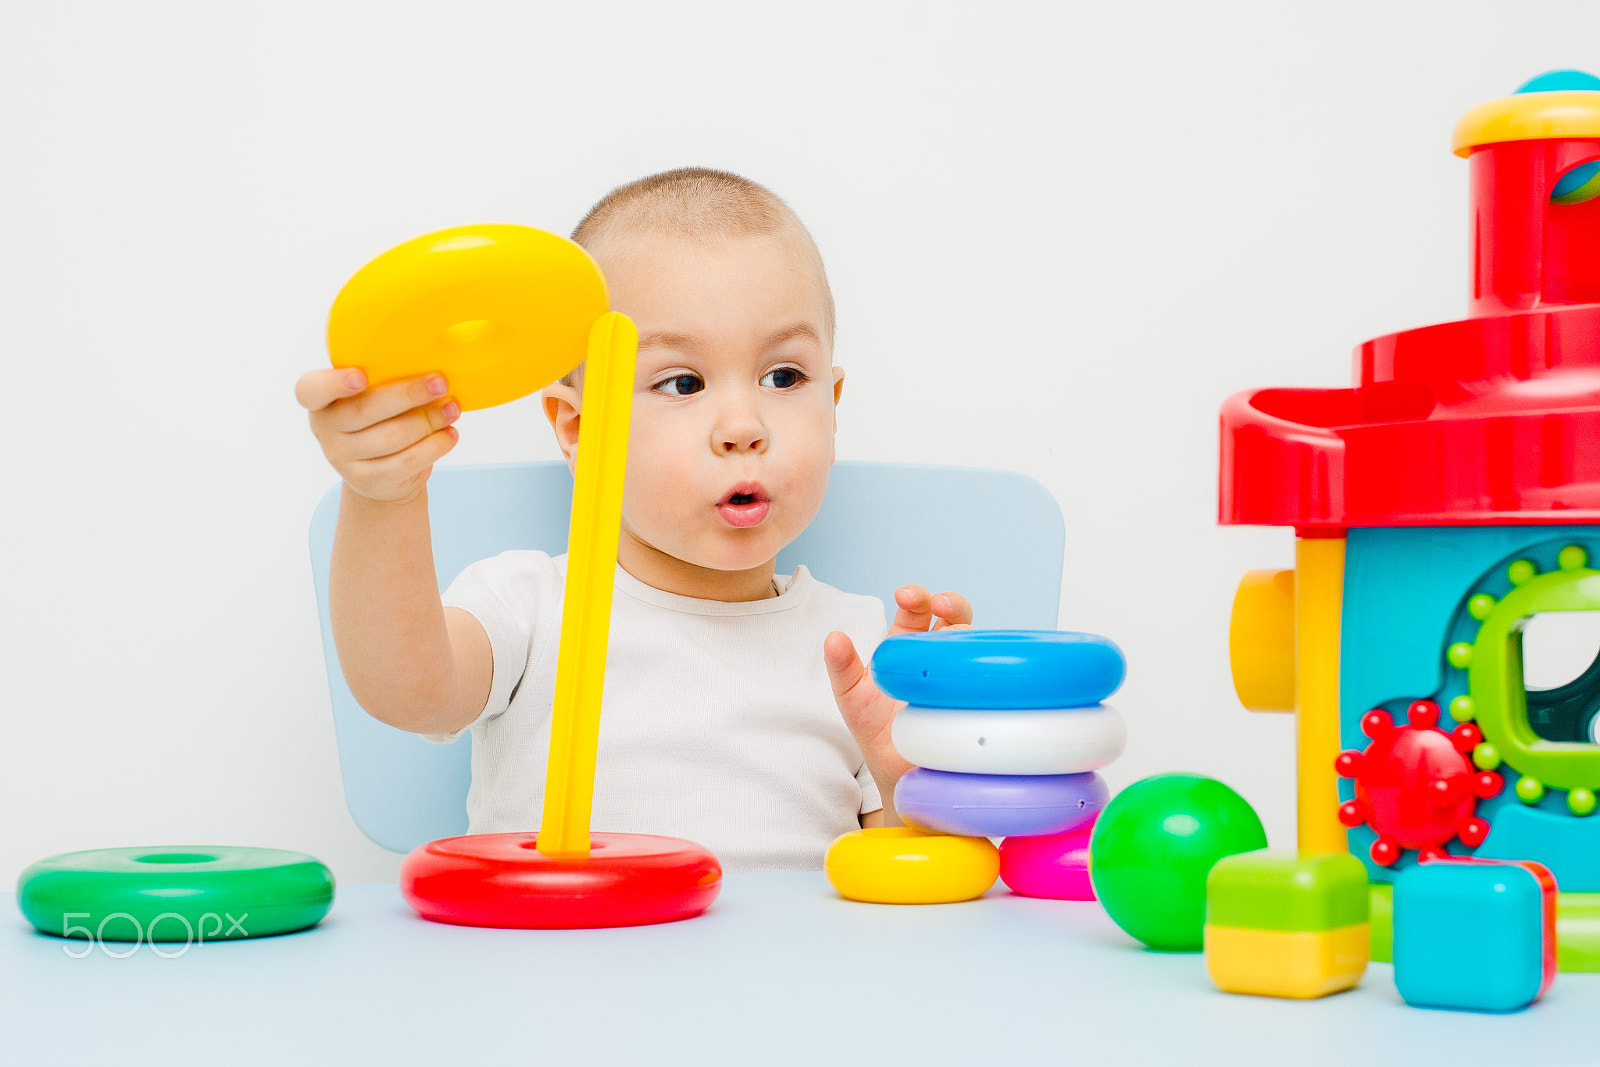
[1474,935]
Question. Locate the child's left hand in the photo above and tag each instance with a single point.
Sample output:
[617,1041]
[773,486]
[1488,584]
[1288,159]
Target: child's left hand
[867,710]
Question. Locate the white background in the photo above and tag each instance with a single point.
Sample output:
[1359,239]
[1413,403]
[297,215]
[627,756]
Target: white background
[1059,235]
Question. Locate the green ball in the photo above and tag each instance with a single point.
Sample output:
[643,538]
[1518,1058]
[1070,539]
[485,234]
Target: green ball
[1152,848]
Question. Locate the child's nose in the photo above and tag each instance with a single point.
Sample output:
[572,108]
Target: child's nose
[739,432]
[744,442]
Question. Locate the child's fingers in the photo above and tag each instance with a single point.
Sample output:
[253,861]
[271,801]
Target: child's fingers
[845,669]
[915,609]
[853,690]
[920,610]
[381,402]
[316,389]
[952,609]
[399,433]
[397,476]
[867,711]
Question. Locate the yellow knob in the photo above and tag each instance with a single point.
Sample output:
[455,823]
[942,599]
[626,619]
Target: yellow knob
[1261,641]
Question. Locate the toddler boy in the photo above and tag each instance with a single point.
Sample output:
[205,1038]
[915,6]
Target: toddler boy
[738,713]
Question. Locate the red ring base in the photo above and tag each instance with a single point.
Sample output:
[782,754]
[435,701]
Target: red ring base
[504,880]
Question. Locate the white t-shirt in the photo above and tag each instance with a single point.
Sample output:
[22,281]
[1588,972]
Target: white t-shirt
[719,724]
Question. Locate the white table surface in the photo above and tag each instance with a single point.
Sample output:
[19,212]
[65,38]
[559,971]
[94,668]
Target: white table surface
[780,971]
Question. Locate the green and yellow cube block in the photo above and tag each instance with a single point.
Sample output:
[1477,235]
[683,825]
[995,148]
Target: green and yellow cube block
[1285,924]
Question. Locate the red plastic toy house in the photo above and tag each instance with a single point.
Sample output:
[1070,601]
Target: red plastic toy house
[1451,494]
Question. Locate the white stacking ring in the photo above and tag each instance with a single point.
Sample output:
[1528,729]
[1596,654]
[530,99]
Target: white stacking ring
[1046,741]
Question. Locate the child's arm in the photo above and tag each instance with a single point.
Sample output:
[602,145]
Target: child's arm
[408,661]
[867,710]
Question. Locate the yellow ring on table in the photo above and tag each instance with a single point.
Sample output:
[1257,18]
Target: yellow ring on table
[901,865]
[501,311]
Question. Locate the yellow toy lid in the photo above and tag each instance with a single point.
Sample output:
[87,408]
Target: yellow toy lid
[1529,117]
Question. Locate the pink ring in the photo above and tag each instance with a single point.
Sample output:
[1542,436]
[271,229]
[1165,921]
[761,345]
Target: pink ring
[1055,867]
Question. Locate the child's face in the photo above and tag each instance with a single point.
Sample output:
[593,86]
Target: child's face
[733,411]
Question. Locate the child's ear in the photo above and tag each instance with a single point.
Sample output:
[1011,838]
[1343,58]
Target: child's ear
[561,408]
[838,384]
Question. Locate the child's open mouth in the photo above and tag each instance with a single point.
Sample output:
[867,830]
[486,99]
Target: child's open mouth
[745,505]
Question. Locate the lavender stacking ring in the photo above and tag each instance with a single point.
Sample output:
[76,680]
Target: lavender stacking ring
[999,805]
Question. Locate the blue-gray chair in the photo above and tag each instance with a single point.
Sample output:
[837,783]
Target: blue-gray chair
[995,536]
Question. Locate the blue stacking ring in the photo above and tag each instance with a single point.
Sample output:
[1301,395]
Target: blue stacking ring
[998,669]
[999,805]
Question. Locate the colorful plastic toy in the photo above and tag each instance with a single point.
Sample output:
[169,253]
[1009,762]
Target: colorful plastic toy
[1415,784]
[1580,184]
[502,311]
[1003,747]
[1055,867]
[504,880]
[1380,907]
[999,669]
[190,893]
[1474,934]
[1450,494]
[591,575]
[903,865]
[1281,924]
[998,805]
[1043,741]
[1153,847]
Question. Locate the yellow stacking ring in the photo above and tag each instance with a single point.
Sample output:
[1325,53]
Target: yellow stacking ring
[900,865]
[500,311]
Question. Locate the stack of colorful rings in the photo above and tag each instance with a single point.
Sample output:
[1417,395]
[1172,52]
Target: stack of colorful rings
[1006,729]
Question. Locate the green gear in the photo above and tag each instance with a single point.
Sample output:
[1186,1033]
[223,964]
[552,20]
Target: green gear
[1493,662]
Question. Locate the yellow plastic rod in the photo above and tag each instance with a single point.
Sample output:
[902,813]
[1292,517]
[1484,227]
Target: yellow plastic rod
[1319,602]
[591,569]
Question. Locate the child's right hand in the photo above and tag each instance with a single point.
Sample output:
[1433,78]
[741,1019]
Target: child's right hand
[383,441]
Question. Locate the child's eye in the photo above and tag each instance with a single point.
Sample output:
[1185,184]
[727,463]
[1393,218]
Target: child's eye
[785,378]
[680,385]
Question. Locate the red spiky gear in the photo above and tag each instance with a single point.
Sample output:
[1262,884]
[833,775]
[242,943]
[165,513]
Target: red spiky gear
[1415,785]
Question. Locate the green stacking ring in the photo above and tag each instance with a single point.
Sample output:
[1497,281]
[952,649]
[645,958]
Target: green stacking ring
[175,894]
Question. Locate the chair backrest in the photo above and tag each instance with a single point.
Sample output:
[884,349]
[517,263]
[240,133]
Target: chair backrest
[995,536]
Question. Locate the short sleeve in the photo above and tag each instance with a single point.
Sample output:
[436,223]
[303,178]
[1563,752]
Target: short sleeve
[516,598]
[871,799]
[868,628]
[871,630]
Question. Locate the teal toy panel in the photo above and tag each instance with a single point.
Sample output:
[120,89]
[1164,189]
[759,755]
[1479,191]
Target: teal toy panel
[1567,845]
[1432,627]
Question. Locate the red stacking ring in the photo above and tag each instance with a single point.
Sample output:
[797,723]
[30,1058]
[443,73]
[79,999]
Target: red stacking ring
[504,880]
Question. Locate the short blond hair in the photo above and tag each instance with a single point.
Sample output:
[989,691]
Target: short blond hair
[701,204]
